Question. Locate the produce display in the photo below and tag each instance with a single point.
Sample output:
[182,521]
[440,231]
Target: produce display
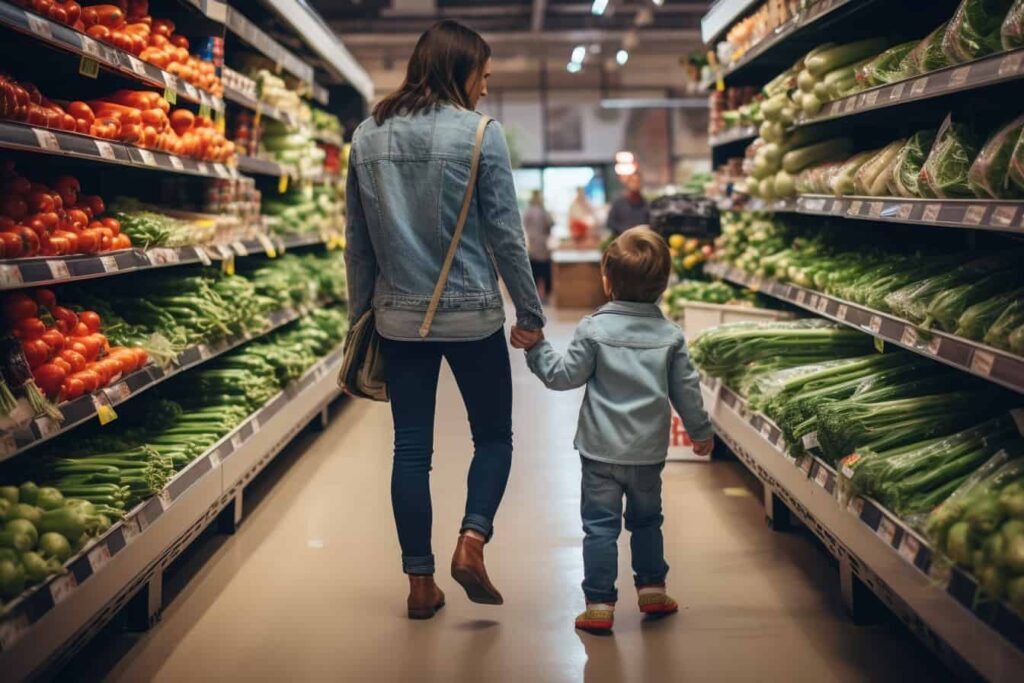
[291,147]
[139,117]
[55,219]
[979,296]
[309,209]
[327,123]
[708,293]
[128,25]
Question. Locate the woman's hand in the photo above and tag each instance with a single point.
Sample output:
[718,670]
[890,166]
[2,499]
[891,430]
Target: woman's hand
[525,339]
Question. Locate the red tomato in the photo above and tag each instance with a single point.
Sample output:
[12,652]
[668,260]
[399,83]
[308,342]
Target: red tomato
[46,297]
[89,378]
[62,364]
[91,320]
[80,330]
[141,356]
[36,352]
[18,306]
[75,359]
[78,347]
[73,388]
[29,328]
[53,339]
[66,318]
[50,379]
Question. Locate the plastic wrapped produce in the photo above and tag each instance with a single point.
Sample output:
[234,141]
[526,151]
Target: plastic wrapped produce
[872,179]
[944,173]
[907,166]
[928,55]
[947,306]
[989,174]
[842,180]
[1008,321]
[1012,31]
[1016,340]
[975,30]
[887,67]
[978,318]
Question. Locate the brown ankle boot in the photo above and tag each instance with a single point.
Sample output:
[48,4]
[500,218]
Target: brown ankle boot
[425,598]
[468,569]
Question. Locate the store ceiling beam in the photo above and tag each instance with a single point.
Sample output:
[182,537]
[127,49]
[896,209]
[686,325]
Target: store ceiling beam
[305,21]
[537,20]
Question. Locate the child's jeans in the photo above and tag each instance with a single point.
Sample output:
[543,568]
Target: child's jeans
[604,485]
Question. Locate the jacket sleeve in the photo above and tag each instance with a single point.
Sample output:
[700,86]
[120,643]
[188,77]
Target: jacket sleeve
[570,371]
[684,393]
[360,260]
[503,227]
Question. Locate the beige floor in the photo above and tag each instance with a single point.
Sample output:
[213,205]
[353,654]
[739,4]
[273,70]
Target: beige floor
[310,587]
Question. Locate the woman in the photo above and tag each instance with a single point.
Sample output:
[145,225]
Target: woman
[408,171]
[538,223]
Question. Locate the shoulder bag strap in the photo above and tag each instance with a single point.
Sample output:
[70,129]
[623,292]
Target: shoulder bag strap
[457,235]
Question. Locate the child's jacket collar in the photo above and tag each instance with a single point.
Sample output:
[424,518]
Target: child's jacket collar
[637,308]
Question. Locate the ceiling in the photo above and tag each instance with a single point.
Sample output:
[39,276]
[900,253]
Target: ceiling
[530,38]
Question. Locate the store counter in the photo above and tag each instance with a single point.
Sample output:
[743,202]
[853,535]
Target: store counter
[576,278]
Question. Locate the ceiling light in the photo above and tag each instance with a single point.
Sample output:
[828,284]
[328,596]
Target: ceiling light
[579,53]
[622,56]
[599,6]
[659,3]
[573,67]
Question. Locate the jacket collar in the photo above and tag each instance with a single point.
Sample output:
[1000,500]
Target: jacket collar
[632,308]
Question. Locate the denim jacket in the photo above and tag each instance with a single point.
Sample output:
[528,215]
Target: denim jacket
[635,364]
[406,183]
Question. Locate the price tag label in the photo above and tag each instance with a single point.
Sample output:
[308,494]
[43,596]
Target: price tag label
[92,48]
[850,105]
[856,506]
[109,264]
[904,211]
[282,184]
[870,98]
[147,157]
[822,305]
[974,214]
[766,430]
[130,529]
[176,162]
[236,441]
[165,499]
[8,444]
[909,548]
[227,266]
[909,336]
[170,94]
[193,93]
[88,67]
[239,248]
[104,411]
[982,362]
[918,86]
[809,441]
[12,627]
[1010,64]
[855,206]
[105,150]
[204,351]
[39,26]
[10,275]
[46,139]
[886,530]
[204,110]
[99,557]
[1003,215]
[875,324]
[137,66]
[268,246]
[821,477]
[255,422]
[203,257]
[931,213]
[934,344]
[202,167]
[754,283]
[221,170]
[46,426]
[58,269]
[814,204]
[875,209]
[801,297]
[842,311]
[62,587]
[161,256]
[116,393]
[897,92]
[959,76]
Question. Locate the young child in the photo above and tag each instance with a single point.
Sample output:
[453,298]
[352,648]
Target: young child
[635,364]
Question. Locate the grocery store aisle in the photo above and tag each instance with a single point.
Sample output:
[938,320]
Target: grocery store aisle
[310,588]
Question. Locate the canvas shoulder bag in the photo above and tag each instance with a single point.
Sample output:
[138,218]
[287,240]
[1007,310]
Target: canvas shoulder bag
[362,373]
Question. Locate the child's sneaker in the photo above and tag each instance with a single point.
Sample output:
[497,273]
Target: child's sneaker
[599,616]
[654,601]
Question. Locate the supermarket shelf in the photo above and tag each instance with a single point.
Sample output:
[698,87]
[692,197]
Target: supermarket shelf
[980,214]
[257,166]
[893,560]
[333,139]
[263,108]
[19,136]
[978,359]
[50,622]
[85,408]
[721,16]
[124,63]
[733,135]
[997,68]
[254,36]
[214,10]
[35,272]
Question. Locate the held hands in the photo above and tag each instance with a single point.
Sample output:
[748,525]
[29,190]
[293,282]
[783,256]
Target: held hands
[525,339]
[704,446]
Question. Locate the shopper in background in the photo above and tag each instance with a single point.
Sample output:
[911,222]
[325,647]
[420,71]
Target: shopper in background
[408,170]
[538,223]
[581,217]
[635,365]
[630,208]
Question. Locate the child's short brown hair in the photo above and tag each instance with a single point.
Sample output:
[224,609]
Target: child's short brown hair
[637,265]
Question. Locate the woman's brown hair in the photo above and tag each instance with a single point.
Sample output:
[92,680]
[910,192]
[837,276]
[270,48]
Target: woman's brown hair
[445,58]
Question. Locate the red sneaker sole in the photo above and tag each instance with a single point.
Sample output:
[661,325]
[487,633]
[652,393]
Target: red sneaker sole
[595,625]
[659,609]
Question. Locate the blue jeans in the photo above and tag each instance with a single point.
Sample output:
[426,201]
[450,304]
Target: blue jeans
[604,485]
[484,377]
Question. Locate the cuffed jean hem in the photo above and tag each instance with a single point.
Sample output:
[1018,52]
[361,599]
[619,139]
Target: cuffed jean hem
[598,596]
[478,523]
[422,565]
[651,580]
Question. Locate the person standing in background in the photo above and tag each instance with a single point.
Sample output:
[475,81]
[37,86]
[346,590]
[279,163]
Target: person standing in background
[630,208]
[538,223]
[581,217]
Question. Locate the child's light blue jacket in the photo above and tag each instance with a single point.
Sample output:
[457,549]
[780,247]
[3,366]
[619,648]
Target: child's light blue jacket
[635,364]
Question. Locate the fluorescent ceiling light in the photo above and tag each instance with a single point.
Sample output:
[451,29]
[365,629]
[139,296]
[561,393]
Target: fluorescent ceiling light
[599,6]
[622,56]
[659,3]
[579,53]
[573,67]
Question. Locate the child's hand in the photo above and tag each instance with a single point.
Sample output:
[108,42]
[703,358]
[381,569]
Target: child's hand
[525,339]
[704,446]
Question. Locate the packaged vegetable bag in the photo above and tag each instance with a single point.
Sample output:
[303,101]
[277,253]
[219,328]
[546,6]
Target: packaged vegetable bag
[928,55]
[944,173]
[887,67]
[1016,170]
[975,30]
[1012,32]
[908,163]
[989,174]
[872,179]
